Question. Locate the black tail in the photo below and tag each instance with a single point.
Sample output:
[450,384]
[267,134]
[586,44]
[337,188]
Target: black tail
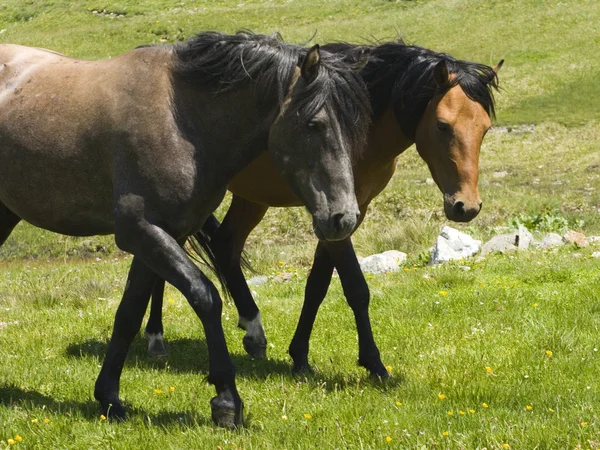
[200,250]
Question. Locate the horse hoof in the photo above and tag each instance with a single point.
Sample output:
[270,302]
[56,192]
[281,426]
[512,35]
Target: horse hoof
[225,414]
[302,369]
[114,411]
[257,350]
[156,347]
[381,375]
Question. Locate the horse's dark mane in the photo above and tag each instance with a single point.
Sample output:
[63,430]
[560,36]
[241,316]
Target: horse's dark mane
[227,61]
[402,75]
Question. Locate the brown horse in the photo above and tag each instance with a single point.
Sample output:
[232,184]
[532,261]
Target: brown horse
[441,104]
[144,145]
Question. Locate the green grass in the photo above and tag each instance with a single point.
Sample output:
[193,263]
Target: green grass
[58,294]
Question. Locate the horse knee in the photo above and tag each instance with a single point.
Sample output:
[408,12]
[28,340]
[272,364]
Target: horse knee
[205,299]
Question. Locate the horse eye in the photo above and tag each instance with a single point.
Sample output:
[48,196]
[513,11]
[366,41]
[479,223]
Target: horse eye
[314,124]
[443,126]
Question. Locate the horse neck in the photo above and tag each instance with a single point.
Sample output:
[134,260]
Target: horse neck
[228,129]
[386,140]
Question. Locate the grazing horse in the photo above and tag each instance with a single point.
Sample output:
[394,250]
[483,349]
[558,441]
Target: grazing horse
[144,145]
[418,96]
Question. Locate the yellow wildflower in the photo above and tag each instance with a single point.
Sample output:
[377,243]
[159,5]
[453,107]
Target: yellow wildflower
[445,434]
[549,353]
[171,300]
[284,418]
[583,424]
[388,439]
[10,441]
[307,416]
[46,420]
[20,439]
[461,412]
[34,421]
[550,410]
[505,446]
[450,413]
[398,403]
[484,405]
[172,389]
[443,293]
[535,305]
[472,411]
[442,396]
[528,408]
[389,369]
[102,417]
[488,369]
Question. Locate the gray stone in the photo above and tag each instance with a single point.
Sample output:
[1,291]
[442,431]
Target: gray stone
[257,281]
[388,261]
[503,243]
[594,239]
[552,240]
[452,244]
[524,238]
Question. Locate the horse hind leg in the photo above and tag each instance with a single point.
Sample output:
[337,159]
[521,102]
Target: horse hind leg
[8,221]
[154,329]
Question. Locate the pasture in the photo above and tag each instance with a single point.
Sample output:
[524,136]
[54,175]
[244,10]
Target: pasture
[504,355]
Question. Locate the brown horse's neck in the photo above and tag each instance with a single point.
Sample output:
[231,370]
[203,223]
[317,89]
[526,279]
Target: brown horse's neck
[386,141]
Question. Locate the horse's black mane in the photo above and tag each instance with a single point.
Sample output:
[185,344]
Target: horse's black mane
[402,75]
[228,61]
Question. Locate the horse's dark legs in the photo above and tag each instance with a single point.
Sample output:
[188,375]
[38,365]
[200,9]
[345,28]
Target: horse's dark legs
[228,244]
[127,323]
[154,329]
[8,221]
[341,254]
[314,293]
[156,252]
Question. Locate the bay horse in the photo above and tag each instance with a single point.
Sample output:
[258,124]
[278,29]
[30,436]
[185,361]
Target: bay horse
[143,146]
[419,96]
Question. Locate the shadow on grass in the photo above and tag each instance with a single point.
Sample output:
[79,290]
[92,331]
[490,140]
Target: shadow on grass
[191,356]
[90,410]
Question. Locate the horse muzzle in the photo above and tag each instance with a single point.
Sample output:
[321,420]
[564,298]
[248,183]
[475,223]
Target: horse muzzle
[336,226]
[461,210]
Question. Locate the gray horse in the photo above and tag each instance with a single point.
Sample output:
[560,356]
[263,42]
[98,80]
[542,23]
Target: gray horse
[143,146]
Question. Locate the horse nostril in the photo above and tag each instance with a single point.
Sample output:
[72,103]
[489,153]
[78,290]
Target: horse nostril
[459,209]
[336,222]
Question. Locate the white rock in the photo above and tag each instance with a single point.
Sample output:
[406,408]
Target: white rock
[552,240]
[451,244]
[594,239]
[596,255]
[388,261]
[524,238]
[257,281]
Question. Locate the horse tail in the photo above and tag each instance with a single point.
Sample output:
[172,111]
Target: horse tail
[200,250]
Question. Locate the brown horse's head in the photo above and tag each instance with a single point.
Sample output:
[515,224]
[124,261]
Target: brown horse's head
[449,135]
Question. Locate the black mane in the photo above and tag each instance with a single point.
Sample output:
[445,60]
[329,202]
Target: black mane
[402,75]
[227,61]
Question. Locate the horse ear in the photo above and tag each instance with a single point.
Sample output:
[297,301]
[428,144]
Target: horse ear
[498,66]
[311,63]
[440,74]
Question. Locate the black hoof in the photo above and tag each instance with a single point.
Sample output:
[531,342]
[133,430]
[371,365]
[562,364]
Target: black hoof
[255,349]
[225,414]
[302,369]
[380,375]
[156,347]
[113,411]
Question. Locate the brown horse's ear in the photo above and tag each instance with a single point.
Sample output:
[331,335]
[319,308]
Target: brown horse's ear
[311,63]
[498,66]
[440,74]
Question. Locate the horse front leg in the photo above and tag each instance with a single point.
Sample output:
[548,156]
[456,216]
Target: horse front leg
[8,221]
[163,255]
[357,295]
[314,293]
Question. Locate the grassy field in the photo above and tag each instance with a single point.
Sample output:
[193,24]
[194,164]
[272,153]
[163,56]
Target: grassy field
[502,356]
